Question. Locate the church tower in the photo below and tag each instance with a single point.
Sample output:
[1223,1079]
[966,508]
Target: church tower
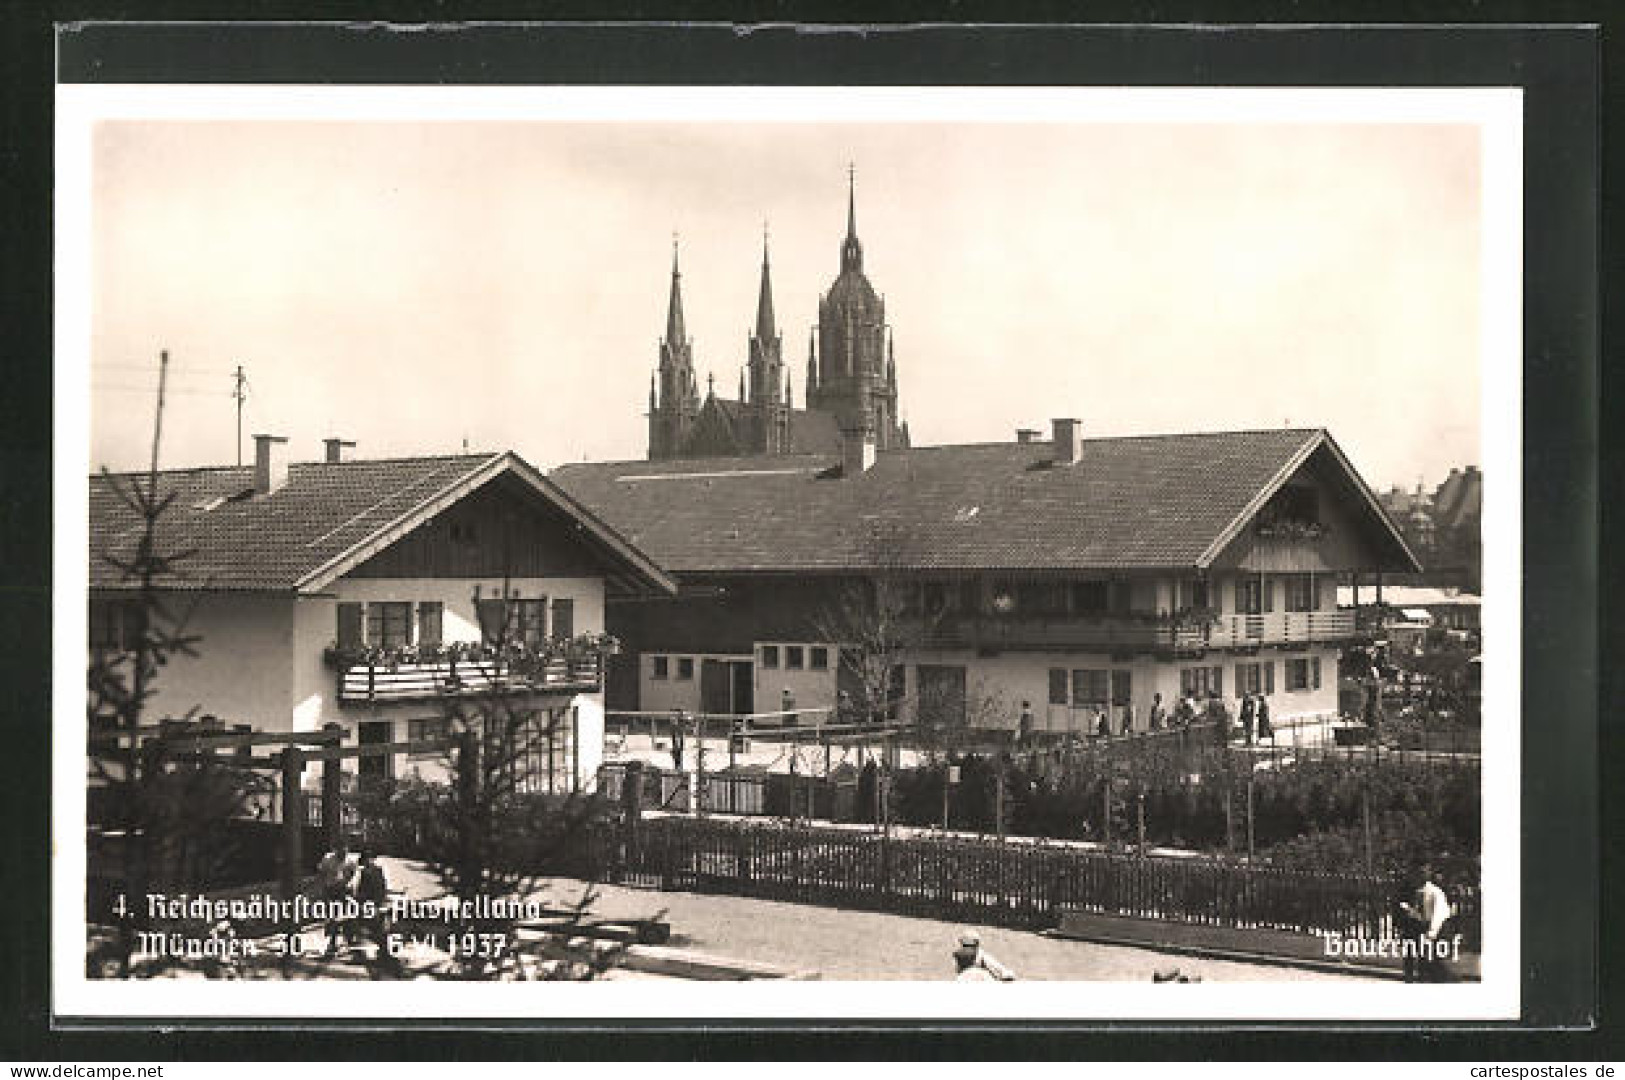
[673,409]
[854,372]
[768,387]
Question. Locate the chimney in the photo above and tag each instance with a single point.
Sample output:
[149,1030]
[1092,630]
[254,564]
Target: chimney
[336,448]
[857,449]
[1027,435]
[270,463]
[1068,441]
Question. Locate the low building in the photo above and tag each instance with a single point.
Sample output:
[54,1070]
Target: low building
[372,594]
[1062,577]
[1415,609]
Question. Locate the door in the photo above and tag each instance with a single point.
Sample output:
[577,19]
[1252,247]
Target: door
[744,686]
[1122,690]
[375,767]
[716,688]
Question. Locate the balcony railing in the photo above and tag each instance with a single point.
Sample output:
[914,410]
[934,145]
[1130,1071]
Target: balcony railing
[1145,632]
[410,674]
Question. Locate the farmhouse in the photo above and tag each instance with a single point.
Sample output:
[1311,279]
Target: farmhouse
[372,594]
[1059,578]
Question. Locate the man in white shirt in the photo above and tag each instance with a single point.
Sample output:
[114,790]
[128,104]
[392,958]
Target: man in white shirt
[1428,916]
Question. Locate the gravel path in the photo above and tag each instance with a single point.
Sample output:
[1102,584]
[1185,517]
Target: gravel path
[840,944]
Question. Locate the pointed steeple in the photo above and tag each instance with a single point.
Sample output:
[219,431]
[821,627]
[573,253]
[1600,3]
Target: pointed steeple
[851,202]
[764,301]
[676,333]
[851,249]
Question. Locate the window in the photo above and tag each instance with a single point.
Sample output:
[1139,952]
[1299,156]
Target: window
[1201,681]
[1250,678]
[1090,597]
[794,657]
[662,667]
[426,730]
[1091,687]
[1303,673]
[1057,686]
[389,624]
[564,618]
[685,668]
[430,614]
[770,656]
[818,658]
[529,621]
[1250,595]
[1300,592]
[1193,593]
[115,625]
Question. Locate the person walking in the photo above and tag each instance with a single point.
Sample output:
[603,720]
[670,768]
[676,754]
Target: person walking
[1264,729]
[677,722]
[1247,712]
[1159,715]
[1425,921]
[333,875]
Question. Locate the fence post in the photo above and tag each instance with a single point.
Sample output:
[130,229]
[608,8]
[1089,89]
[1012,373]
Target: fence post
[468,794]
[332,780]
[1139,813]
[1106,811]
[1229,820]
[998,798]
[1250,833]
[1365,817]
[293,821]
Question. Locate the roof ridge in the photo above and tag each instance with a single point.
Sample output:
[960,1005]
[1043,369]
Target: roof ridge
[484,455]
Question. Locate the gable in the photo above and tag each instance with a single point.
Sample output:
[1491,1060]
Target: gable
[500,529]
[1320,519]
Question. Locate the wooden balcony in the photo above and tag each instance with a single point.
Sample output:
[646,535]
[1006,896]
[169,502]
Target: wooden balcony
[385,683]
[1130,633]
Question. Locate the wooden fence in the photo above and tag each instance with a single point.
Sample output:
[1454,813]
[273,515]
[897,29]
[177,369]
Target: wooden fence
[1021,885]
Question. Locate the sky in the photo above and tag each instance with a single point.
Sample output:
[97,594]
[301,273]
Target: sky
[413,285]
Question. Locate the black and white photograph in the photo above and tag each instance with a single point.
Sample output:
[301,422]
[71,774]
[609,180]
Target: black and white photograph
[792,542]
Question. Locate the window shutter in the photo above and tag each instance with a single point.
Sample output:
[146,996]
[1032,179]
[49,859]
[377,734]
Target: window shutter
[490,612]
[1269,594]
[349,630]
[1241,596]
[1241,679]
[429,614]
[564,618]
[1218,680]
[1269,676]
[1314,672]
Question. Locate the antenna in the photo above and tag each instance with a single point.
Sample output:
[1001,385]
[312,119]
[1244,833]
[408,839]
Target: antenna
[239,393]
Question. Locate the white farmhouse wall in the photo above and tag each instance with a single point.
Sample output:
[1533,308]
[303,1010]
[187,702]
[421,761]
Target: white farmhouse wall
[243,663]
[672,692]
[316,627]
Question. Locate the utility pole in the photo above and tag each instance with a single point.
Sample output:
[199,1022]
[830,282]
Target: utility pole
[239,391]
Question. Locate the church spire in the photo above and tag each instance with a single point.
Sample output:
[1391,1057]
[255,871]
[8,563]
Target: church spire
[764,301]
[851,202]
[676,333]
[851,249]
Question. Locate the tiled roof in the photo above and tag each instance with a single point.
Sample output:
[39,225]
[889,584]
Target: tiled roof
[1137,502]
[235,540]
